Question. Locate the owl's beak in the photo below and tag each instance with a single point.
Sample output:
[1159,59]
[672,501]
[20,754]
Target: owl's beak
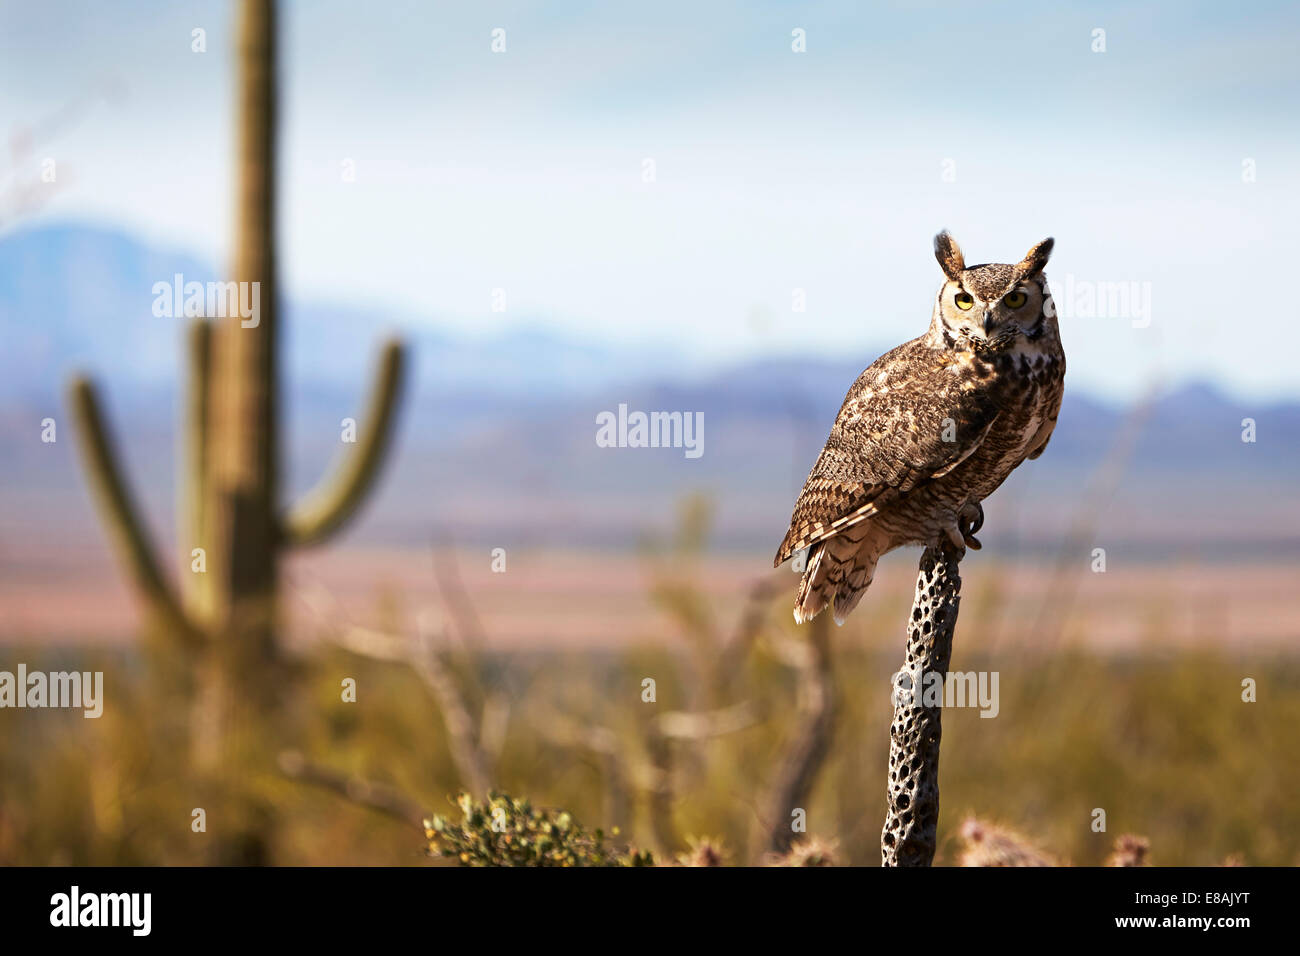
[988,323]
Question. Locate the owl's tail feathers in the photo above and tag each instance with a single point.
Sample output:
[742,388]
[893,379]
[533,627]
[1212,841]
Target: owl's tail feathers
[839,572]
[813,592]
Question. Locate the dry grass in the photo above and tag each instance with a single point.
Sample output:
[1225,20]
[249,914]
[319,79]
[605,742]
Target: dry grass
[1163,743]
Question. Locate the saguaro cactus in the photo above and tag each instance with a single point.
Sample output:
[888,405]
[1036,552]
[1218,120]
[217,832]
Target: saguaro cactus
[230,504]
[912,813]
[807,746]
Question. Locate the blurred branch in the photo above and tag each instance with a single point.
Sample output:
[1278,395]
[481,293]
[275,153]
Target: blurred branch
[463,732]
[674,571]
[806,750]
[494,722]
[663,732]
[680,725]
[456,599]
[510,677]
[752,618]
[603,744]
[377,645]
[655,779]
[426,655]
[373,796]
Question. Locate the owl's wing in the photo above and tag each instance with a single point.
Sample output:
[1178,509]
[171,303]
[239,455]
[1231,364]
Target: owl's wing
[904,422]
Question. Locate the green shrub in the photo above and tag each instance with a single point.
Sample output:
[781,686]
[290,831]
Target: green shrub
[507,832]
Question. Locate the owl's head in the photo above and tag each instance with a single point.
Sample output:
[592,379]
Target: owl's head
[991,306]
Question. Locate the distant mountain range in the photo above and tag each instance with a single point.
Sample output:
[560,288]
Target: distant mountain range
[74,296]
[498,434]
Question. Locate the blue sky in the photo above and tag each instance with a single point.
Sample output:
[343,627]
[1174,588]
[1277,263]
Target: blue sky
[821,171]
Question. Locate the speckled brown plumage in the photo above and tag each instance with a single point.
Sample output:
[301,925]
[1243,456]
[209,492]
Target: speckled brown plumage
[931,428]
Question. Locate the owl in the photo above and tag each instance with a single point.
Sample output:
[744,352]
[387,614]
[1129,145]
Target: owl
[931,429]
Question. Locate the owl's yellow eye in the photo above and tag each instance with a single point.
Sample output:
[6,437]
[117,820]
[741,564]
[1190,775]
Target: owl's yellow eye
[963,301]
[1014,300]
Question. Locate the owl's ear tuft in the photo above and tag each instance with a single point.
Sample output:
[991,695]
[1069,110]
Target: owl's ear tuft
[1035,259]
[949,255]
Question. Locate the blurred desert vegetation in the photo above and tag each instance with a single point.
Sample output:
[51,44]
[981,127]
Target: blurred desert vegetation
[1159,739]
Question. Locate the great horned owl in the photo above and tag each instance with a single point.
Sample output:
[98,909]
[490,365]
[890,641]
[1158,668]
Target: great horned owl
[931,429]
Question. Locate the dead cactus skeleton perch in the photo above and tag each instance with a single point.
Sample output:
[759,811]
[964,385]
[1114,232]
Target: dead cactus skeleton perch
[912,811]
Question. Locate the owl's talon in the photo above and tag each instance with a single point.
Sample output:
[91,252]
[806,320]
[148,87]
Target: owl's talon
[969,521]
[956,539]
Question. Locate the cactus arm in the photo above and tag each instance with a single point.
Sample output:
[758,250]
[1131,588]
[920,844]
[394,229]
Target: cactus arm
[192,519]
[120,513]
[336,499]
